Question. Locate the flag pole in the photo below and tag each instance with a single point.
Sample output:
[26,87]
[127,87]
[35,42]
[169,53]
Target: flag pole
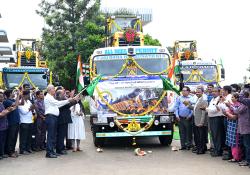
[82,90]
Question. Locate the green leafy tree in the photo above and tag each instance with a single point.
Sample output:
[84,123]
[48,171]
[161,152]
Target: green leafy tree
[73,27]
[149,41]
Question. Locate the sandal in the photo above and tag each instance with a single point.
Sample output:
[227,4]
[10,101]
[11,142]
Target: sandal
[78,149]
[233,160]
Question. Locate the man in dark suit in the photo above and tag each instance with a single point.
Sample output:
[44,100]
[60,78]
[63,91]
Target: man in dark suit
[63,121]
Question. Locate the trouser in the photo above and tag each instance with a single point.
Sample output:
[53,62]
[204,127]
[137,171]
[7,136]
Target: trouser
[2,141]
[12,134]
[185,130]
[25,136]
[217,131]
[62,130]
[201,137]
[33,135]
[246,142]
[51,125]
[41,132]
[68,143]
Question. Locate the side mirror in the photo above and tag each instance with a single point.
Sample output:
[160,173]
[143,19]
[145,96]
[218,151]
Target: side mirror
[222,73]
[44,76]
[14,47]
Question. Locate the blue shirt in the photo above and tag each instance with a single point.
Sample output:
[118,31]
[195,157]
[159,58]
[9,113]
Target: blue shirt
[209,97]
[3,120]
[13,117]
[180,109]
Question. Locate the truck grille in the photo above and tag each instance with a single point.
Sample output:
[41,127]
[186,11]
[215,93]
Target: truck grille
[25,62]
[122,42]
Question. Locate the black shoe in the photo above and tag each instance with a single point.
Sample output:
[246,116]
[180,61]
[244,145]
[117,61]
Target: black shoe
[24,152]
[29,151]
[200,152]
[43,148]
[56,154]
[36,149]
[5,156]
[194,150]
[50,156]
[213,154]
[226,157]
[69,148]
[183,148]
[62,152]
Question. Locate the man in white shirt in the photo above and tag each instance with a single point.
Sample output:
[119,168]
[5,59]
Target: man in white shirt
[216,122]
[52,112]
[26,119]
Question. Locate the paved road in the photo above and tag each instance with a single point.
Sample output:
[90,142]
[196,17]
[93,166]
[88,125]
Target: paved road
[118,158]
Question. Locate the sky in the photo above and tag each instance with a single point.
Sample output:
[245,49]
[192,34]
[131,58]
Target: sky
[221,28]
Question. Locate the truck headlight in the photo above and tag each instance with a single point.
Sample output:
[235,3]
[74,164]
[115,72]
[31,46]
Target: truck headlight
[111,124]
[165,119]
[156,122]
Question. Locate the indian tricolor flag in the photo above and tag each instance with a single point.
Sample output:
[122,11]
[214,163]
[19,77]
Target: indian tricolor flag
[79,75]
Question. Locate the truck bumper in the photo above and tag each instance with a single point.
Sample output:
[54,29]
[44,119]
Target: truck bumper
[124,134]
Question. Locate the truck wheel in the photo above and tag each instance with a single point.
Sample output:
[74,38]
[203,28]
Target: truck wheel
[166,140]
[98,142]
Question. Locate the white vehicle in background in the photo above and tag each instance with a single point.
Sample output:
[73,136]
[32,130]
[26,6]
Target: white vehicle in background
[6,55]
[194,71]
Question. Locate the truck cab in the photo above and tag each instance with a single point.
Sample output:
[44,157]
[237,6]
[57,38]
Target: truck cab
[29,66]
[124,30]
[129,100]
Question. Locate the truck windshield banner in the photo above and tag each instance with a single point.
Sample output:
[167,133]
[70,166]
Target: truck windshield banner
[131,96]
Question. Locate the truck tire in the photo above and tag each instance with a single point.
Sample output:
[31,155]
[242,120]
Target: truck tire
[167,140]
[98,142]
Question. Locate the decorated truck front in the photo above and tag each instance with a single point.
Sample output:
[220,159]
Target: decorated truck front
[17,76]
[129,100]
[198,72]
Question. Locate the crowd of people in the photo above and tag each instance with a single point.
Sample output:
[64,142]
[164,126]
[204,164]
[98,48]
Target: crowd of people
[43,121]
[222,113]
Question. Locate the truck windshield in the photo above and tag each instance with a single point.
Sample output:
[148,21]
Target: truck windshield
[111,65]
[124,23]
[14,79]
[199,73]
